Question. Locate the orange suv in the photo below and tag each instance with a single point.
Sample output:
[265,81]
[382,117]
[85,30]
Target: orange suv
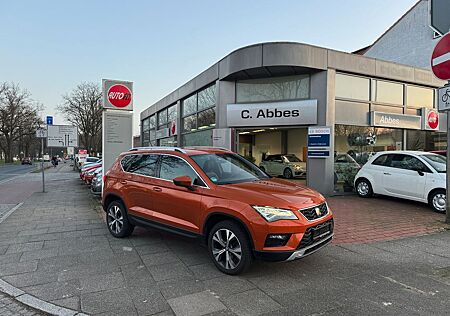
[240,212]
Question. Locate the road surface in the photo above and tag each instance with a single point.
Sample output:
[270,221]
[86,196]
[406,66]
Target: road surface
[10,171]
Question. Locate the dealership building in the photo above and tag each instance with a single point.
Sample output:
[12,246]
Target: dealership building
[261,99]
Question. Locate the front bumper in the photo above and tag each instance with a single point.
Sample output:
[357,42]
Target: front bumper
[292,255]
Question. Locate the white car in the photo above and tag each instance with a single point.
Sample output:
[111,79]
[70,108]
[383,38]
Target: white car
[413,175]
[288,166]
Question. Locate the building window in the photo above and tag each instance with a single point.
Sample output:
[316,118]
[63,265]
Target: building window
[162,119]
[199,112]
[168,141]
[273,89]
[352,87]
[419,97]
[172,113]
[387,92]
[200,138]
[425,140]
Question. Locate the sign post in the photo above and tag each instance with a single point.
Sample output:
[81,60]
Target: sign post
[440,64]
[319,141]
[42,133]
[117,120]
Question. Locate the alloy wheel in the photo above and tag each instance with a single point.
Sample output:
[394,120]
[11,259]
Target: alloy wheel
[115,219]
[226,248]
[439,202]
[363,188]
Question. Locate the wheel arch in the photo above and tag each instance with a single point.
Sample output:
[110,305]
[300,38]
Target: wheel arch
[432,191]
[111,197]
[216,217]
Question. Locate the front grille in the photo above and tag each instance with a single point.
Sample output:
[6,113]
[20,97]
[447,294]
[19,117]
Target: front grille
[317,233]
[315,212]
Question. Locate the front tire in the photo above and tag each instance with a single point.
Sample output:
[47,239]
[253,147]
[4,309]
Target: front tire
[364,188]
[287,173]
[437,201]
[229,248]
[117,220]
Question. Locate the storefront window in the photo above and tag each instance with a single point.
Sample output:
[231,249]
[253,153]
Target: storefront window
[387,92]
[425,140]
[200,138]
[419,97]
[354,145]
[172,113]
[162,118]
[273,89]
[152,121]
[206,118]
[190,105]
[352,87]
[190,123]
[168,141]
[207,98]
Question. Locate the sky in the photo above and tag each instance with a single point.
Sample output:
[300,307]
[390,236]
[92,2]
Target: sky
[48,47]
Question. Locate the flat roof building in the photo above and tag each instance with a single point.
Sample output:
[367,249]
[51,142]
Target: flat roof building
[260,100]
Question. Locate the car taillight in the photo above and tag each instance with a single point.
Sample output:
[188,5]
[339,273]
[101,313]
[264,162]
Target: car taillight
[104,179]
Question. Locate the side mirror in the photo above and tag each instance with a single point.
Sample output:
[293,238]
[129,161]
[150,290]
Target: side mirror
[183,181]
[420,172]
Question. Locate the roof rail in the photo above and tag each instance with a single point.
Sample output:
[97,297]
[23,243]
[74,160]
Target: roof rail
[206,147]
[158,148]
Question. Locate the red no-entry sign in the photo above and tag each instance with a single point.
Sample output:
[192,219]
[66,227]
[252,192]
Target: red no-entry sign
[440,59]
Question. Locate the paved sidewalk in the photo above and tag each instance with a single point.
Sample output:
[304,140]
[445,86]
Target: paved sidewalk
[10,307]
[56,247]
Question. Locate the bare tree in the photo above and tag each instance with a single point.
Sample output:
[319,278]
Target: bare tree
[19,117]
[83,108]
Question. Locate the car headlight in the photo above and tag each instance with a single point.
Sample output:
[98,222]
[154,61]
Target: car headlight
[272,214]
[298,167]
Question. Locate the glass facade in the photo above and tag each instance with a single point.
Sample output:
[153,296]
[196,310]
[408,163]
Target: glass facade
[419,97]
[273,89]
[198,114]
[387,92]
[352,87]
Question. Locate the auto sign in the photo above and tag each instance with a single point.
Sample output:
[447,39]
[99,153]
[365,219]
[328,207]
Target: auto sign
[119,96]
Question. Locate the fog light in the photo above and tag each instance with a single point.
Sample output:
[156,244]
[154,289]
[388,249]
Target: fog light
[277,240]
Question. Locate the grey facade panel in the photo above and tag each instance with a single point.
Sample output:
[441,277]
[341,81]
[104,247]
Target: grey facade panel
[280,54]
[245,58]
[385,108]
[351,63]
[352,113]
[394,71]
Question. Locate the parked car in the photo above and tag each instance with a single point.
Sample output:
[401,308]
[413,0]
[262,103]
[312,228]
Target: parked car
[26,161]
[288,166]
[91,174]
[413,175]
[97,183]
[87,169]
[346,168]
[213,194]
[440,152]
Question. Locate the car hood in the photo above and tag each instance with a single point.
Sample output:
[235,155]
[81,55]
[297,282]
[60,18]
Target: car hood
[274,192]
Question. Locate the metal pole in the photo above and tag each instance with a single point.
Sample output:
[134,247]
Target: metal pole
[42,165]
[447,209]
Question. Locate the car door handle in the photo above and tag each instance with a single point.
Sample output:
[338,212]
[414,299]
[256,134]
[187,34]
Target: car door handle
[157,189]
[123,181]
[387,173]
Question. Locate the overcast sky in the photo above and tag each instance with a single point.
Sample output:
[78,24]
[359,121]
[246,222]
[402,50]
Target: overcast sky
[48,47]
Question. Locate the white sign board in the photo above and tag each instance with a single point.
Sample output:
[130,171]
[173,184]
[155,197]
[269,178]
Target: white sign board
[62,136]
[319,140]
[117,135]
[444,98]
[41,133]
[272,113]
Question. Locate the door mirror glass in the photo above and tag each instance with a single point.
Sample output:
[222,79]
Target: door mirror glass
[183,181]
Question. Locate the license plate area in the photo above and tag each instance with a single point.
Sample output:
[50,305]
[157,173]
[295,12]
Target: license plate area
[321,231]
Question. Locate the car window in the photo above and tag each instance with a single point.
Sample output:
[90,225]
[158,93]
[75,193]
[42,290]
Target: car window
[127,160]
[173,167]
[291,158]
[408,162]
[439,163]
[144,165]
[381,161]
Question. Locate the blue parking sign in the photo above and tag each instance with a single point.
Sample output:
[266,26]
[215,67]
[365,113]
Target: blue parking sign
[49,120]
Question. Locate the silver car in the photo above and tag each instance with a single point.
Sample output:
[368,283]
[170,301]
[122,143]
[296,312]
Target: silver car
[288,166]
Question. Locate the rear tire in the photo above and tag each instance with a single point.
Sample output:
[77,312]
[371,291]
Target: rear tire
[117,220]
[229,248]
[437,201]
[364,188]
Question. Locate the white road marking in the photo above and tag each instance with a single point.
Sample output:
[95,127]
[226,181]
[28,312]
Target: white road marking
[408,287]
[441,59]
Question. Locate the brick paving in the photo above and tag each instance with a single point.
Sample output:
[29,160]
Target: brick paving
[359,220]
[10,307]
[56,247]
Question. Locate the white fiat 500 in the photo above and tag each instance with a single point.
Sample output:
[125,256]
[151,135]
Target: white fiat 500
[413,175]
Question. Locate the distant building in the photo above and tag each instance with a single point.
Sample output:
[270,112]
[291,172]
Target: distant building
[409,41]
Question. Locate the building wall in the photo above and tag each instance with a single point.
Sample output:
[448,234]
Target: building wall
[410,41]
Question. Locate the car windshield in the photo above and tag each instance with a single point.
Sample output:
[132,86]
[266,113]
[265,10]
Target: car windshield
[438,162]
[292,158]
[228,168]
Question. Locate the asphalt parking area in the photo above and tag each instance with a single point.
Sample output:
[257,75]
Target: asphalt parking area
[359,220]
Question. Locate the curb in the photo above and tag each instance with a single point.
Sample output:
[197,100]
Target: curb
[30,300]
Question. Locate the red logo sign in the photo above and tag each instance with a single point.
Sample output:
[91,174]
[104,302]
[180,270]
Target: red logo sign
[440,59]
[173,128]
[119,96]
[433,119]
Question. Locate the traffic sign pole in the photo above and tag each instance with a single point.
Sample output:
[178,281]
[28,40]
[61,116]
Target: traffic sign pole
[447,195]
[42,165]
